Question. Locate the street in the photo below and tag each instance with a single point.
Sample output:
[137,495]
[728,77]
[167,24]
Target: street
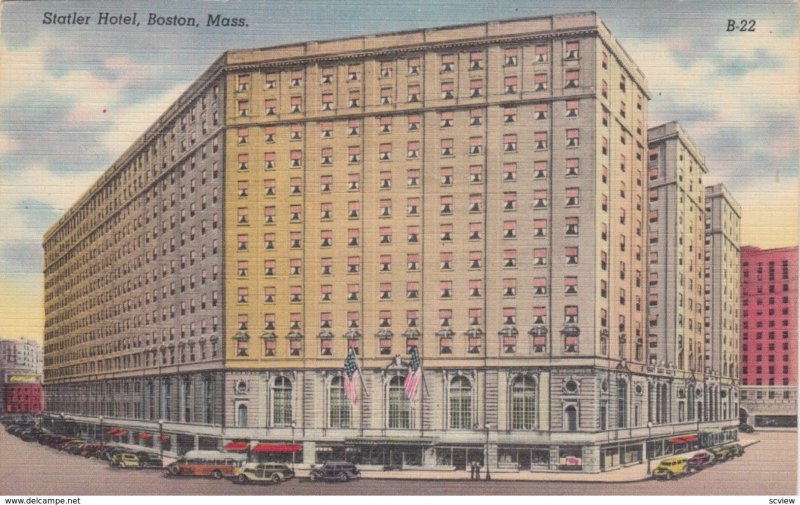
[767,468]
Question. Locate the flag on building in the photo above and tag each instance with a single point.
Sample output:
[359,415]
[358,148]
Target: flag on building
[351,377]
[414,376]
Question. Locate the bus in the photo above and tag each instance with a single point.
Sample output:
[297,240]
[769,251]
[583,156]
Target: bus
[214,464]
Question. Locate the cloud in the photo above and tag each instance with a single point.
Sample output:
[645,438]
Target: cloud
[7,144]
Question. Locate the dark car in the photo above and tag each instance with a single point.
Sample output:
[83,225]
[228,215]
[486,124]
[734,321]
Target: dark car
[720,454]
[746,428]
[30,435]
[699,461]
[734,450]
[149,460]
[335,470]
[89,450]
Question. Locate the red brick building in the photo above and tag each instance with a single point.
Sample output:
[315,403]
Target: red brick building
[22,398]
[769,316]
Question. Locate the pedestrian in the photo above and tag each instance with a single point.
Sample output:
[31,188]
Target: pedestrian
[472,468]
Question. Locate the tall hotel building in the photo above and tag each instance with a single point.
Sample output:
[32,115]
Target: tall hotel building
[475,192]
[722,301]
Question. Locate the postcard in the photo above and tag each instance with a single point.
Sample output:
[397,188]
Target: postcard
[355,248]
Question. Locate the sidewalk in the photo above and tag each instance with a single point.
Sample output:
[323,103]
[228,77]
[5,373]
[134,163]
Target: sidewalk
[633,473]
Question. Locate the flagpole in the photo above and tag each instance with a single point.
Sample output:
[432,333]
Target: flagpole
[361,379]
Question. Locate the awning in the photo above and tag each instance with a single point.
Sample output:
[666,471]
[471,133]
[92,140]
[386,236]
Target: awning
[235,446]
[120,433]
[683,439]
[274,448]
[163,438]
[112,431]
[143,436]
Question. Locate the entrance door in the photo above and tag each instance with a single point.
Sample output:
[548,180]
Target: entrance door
[396,458]
[524,459]
[460,459]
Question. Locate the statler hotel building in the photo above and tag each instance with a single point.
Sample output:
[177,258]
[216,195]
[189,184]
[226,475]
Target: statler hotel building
[476,192]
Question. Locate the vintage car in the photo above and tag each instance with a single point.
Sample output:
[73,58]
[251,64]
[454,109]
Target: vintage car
[700,460]
[671,467]
[125,460]
[335,470]
[263,472]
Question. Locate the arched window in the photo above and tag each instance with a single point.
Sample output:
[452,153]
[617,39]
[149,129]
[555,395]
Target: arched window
[399,406]
[571,418]
[241,416]
[167,398]
[460,403]
[663,402]
[523,403]
[690,403]
[282,402]
[339,405]
[622,403]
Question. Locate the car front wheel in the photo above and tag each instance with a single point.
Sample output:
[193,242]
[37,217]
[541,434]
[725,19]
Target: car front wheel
[241,479]
[275,478]
[343,477]
[312,476]
[173,470]
[216,474]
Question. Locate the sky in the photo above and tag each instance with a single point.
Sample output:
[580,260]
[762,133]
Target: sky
[74,97]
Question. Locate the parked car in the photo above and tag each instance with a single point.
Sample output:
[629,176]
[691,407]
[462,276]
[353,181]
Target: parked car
[734,450]
[671,467]
[125,460]
[720,454]
[746,428]
[700,460]
[263,472]
[30,435]
[202,463]
[91,450]
[335,470]
[149,460]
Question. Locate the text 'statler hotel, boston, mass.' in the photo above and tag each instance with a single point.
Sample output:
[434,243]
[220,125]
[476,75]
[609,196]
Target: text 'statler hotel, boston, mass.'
[417,249]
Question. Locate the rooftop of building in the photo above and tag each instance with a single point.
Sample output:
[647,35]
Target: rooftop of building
[674,129]
[720,190]
[755,250]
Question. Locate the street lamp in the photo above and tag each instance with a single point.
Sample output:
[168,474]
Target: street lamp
[102,435]
[294,423]
[161,438]
[647,445]
[486,459]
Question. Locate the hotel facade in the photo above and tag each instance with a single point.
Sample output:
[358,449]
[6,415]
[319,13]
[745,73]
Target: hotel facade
[474,193]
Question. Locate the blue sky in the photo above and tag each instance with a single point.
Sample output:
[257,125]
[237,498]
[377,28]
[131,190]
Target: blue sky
[72,98]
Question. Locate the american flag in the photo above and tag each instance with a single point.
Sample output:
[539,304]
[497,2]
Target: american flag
[414,376]
[351,377]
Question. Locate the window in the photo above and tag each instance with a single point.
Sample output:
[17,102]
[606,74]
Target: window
[385,264]
[510,84]
[413,66]
[540,140]
[445,205]
[446,119]
[573,137]
[570,285]
[540,199]
[475,117]
[475,173]
[510,57]
[326,156]
[412,288]
[539,285]
[460,393]
[447,90]
[385,234]
[339,405]
[523,403]
[475,145]
[510,143]
[571,79]
[475,202]
[446,146]
[413,149]
[387,94]
[509,229]
[509,287]
[353,72]
[243,161]
[413,122]
[540,82]
[445,289]
[572,50]
[539,227]
[510,200]
[385,209]
[509,172]
[399,408]
[474,288]
[475,60]
[571,255]
[282,402]
[509,115]
[413,234]
[572,197]
[475,88]
[243,82]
